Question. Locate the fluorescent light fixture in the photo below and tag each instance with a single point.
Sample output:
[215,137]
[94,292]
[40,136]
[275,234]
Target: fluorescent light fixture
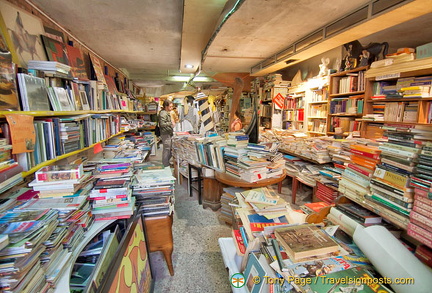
[187,78]
[189,66]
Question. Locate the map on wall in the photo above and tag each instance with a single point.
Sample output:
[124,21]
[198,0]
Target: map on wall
[25,30]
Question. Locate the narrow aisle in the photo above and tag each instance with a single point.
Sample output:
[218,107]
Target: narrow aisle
[197,260]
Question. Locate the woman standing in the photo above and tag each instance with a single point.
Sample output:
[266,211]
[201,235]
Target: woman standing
[166,126]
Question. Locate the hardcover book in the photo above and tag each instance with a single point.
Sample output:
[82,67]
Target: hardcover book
[59,173]
[303,241]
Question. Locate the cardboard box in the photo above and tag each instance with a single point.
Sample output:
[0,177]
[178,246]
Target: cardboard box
[424,51]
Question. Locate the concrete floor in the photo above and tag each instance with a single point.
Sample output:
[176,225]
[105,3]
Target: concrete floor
[197,260]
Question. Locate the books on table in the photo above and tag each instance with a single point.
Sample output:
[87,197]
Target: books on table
[303,241]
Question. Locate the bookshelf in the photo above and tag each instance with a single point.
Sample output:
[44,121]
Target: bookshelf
[296,116]
[273,106]
[317,110]
[381,84]
[345,103]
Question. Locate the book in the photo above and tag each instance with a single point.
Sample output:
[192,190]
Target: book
[261,195]
[359,213]
[33,93]
[71,173]
[304,241]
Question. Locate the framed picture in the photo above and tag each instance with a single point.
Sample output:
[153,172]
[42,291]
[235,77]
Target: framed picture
[97,67]
[33,93]
[76,61]
[55,50]
[8,89]
[25,30]
[84,101]
[54,34]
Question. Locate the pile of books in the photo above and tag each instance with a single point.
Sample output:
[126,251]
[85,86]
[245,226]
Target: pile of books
[111,199]
[27,233]
[53,67]
[356,177]
[153,190]
[111,171]
[59,181]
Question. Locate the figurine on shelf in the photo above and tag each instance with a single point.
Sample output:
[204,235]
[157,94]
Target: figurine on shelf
[324,67]
[364,58]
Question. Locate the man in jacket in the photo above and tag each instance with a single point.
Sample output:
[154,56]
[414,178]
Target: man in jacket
[166,129]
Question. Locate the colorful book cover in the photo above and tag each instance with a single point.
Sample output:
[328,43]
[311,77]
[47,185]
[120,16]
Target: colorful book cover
[316,268]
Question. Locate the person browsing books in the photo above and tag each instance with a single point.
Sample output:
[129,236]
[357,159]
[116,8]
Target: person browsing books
[166,126]
[236,124]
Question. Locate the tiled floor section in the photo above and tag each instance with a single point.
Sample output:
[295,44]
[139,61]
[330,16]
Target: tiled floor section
[197,259]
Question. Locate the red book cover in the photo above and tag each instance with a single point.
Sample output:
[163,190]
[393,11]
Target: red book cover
[361,170]
[424,254]
[316,206]
[239,241]
[362,153]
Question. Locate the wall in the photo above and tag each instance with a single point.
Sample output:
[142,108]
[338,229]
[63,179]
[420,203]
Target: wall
[310,67]
[68,38]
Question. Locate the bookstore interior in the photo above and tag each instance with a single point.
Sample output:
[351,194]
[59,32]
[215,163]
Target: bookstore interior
[85,198]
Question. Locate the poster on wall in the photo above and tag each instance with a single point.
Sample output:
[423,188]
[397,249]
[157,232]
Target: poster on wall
[25,30]
[97,67]
[8,89]
[22,133]
[55,50]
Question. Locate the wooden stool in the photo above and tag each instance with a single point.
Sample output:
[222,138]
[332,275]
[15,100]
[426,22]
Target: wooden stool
[159,234]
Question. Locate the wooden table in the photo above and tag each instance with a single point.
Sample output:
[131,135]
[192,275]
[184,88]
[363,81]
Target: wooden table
[295,184]
[159,234]
[230,180]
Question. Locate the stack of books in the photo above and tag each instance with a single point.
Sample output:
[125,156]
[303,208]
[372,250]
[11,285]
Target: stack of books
[356,177]
[58,181]
[111,199]
[27,232]
[112,171]
[153,190]
[52,67]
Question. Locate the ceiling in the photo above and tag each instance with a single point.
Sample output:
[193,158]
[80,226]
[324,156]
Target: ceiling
[152,40]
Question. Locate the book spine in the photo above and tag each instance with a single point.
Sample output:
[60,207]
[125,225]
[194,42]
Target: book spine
[392,168]
[366,154]
[398,165]
[353,175]
[394,178]
[420,237]
[359,170]
[239,241]
[106,196]
[363,163]
[407,197]
[423,203]
[398,152]
[401,148]
[397,201]
[351,215]
[414,215]
[424,254]
[244,236]
[389,204]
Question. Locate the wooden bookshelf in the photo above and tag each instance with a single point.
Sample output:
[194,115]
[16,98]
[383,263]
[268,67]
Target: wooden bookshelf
[346,95]
[376,78]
